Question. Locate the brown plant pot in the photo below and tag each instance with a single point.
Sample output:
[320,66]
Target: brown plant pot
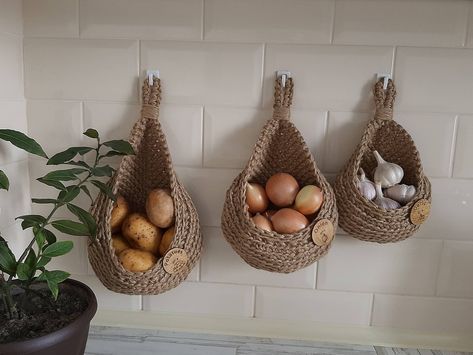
[70,340]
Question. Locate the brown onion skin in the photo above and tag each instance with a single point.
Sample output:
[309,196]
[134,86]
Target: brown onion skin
[288,221]
[269,213]
[262,222]
[281,189]
[309,200]
[256,198]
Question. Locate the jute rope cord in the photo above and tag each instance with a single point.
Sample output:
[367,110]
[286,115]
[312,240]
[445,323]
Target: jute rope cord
[280,148]
[151,167]
[362,218]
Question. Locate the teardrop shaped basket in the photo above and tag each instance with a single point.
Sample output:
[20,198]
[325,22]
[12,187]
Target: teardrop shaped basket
[280,148]
[362,218]
[151,167]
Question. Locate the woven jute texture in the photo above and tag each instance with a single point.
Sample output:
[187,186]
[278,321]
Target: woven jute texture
[138,174]
[362,218]
[280,148]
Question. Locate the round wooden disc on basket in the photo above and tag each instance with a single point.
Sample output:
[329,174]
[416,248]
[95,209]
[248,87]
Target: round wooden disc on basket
[323,232]
[175,260]
[420,211]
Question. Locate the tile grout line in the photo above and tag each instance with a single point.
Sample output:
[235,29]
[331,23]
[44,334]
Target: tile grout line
[468,24]
[78,20]
[263,66]
[373,295]
[253,315]
[453,148]
[439,267]
[202,22]
[202,137]
[332,29]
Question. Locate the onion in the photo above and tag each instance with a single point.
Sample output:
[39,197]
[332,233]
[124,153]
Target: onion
[309,199]
[256,198]
[262,222]
[269,213]
[282,189]
[287,221]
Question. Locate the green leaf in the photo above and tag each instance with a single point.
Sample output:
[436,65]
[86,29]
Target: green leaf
[103,171]
[70,227]
[79,163]
[44,200]
[31,220]
[68,154]
[58,249]
[85,217]
[4,183]
[120,146]
[105,189]
[57,276]
[111,153]
[91,133]
[24,271]
[39,236]
[54,288]
[31,259]
[64,175]
[7,258]
[56,184]
[22,141]
[43,261]
[50,237]
[87,192]
[70,194]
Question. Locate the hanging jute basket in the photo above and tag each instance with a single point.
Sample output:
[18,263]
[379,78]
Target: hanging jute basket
[151,167]
[362,218]
[280,148]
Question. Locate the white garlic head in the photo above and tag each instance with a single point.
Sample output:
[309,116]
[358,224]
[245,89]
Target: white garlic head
[387,174]
[384,202]
[401,193]
[366,187]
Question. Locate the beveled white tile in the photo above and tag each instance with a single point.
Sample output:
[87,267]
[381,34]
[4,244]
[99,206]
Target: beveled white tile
[158,19]
[337,78]
[446,83]
[455,270]
[207,188]
[16,201]
[433,135]
[428,314]
[51,18]
[309,305]
[451,211]
[11,19]
[469,39]
[220,263]
[408,267]
[12,116]
[303,21]
[424,23]
[210,73]
[109,300]
[63,117]
[346,127]
[81,69]
[204,298]
[11,67]
[463,164]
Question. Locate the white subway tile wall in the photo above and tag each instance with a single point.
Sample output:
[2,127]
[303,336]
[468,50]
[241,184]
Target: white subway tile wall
[84,61]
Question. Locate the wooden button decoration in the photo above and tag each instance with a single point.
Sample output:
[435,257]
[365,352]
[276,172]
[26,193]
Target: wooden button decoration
[175,260]
[322,233]
[420,211]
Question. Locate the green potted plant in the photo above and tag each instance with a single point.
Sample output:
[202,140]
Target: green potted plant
[41,310]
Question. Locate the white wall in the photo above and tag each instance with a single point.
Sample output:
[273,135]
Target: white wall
[13,116]
[217,58]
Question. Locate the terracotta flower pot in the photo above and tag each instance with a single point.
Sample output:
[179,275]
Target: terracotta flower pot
[70,340]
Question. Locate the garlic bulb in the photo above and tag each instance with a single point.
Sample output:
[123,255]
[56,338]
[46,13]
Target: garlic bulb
[365,186]
[401,193]
[384,202]
[387,174]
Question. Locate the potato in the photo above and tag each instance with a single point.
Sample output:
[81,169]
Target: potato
[135,260]
[141,233]
[119,213]
[119,243]
[167,240]
[160,208]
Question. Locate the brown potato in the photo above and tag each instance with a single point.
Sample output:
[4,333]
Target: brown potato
[167,240]
[141,233]
[135,260]
[119,213]
[119,243]
[160,208]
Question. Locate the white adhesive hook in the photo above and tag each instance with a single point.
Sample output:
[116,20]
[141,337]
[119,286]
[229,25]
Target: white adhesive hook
[284,75]
[151,74]
[385,77]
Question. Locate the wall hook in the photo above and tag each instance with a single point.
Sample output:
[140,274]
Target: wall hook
[385,77]
[284,75]
[151,74]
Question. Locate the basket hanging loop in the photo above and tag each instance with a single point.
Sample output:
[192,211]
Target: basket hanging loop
[283,92]
[384,99]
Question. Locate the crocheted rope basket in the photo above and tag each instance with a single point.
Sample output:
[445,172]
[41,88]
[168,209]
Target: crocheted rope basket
[362,218]
[280,148]
[151,167]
